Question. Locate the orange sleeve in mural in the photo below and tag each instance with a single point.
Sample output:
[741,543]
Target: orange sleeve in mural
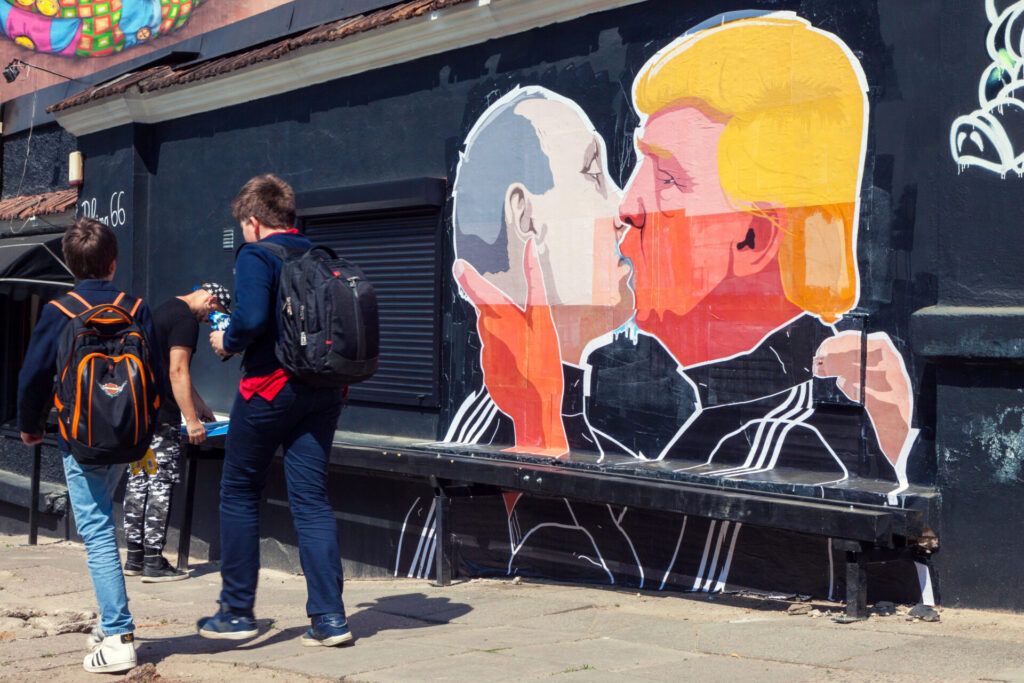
[520,358]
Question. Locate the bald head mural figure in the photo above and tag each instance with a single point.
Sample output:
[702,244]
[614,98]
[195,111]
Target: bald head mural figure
[534,217]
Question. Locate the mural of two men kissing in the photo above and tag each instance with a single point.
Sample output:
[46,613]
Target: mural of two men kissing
[695,323]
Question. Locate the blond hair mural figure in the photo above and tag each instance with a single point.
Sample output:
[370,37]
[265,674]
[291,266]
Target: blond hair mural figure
[740,224]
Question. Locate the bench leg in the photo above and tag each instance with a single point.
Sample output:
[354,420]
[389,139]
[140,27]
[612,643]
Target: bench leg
[856,587]
[442,534]
[185,533]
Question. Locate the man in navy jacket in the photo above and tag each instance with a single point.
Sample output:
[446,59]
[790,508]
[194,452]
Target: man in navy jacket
[273,411]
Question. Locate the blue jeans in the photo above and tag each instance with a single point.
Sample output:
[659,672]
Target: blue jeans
[91,490]
[301,420]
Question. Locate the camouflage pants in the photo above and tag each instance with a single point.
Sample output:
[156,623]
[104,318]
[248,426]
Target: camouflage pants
[147,499]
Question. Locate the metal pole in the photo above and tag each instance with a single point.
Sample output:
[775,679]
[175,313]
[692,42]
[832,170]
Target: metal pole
[185,533]
[33,506]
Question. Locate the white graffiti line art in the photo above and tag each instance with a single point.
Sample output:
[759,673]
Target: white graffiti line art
[420,560]
[618,525]
[575,526]
[706,582]
[992,136]
[675,554]
[401,535]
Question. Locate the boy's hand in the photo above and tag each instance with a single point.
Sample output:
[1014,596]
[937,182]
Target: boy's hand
[31,439]
[217,343]
[196,432]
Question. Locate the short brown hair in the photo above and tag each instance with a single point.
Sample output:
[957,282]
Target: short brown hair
[267,198]
[90,249]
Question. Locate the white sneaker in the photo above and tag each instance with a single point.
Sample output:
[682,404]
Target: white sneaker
[95,638]
[112,655]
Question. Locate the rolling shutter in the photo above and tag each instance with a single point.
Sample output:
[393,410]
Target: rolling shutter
[398,252]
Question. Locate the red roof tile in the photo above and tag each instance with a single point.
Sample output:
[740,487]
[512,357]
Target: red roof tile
[164,76]
[26,206]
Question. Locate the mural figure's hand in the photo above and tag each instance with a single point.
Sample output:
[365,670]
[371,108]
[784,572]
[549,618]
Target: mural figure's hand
[520,358]
[889,401]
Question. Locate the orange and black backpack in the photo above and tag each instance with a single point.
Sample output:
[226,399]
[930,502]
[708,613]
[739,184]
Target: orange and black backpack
[106,395]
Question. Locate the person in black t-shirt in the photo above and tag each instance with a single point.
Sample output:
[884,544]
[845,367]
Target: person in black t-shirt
[147,499]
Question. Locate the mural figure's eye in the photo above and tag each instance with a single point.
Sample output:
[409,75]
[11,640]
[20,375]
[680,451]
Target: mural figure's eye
[593,169]
[667,179]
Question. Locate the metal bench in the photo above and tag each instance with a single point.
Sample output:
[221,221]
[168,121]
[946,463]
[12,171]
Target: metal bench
[866,533]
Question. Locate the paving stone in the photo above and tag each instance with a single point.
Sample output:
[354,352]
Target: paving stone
[799,641]
[504,639]
[604,654]
[474,666]
[367,657]
[727,669]
[944,657]
[493,630]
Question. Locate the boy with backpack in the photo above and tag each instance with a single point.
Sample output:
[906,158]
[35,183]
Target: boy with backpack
[147,497]
[98,342]
[296,409]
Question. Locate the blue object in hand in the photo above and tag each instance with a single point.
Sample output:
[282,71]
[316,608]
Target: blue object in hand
[219,321]
[212,428]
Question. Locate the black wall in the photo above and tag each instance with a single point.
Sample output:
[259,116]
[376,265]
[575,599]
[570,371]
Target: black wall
[36,161]
[930,234]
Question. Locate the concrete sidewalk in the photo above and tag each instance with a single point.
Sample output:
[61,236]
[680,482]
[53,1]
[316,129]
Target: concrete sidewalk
[480,630]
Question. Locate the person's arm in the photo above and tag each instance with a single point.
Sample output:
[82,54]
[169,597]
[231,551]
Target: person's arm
[181,387]
[144,317]
[254,293]
[35,380]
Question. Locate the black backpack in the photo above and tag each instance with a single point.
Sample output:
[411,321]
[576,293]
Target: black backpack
[106,394]
[328,330]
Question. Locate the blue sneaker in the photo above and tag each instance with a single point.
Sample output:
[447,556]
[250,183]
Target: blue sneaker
[226,625]
[327,630]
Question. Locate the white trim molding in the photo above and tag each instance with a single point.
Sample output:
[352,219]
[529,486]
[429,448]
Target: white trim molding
[449,29]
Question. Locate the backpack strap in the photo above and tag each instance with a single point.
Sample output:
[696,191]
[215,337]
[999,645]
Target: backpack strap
[330,253]
[281,252]
[71,304]
[128,303]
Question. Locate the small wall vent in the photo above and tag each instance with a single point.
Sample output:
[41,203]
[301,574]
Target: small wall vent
[229,239]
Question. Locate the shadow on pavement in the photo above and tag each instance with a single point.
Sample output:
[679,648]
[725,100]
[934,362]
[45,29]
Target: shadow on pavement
[204,569]
[157,649]
[393,612]
[414,611]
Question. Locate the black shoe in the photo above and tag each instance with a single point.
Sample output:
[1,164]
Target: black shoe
[133,564]
[157,570]
[226,625]
[328,630]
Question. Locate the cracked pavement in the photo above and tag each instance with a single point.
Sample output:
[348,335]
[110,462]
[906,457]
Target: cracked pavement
[409,630]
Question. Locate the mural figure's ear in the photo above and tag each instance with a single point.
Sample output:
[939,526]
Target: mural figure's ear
[759,242]
[519,212]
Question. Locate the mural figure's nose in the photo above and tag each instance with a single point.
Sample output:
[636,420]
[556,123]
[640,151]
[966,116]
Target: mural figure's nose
[632,212]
